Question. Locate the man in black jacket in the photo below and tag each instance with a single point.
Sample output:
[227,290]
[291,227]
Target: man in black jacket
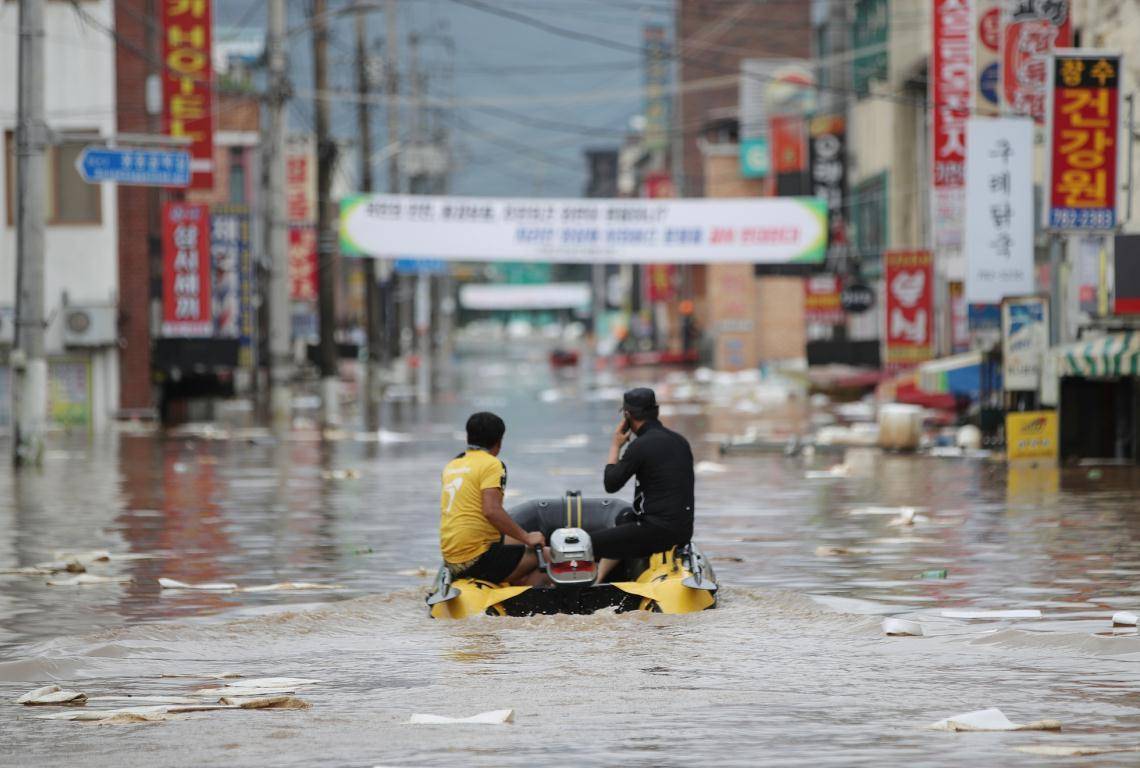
[662,462]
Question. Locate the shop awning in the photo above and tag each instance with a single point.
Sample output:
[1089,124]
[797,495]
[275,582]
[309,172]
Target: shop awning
[957,374]
[1117,354]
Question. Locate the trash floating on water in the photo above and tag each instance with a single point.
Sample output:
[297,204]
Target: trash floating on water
[839,551]
[87,580]
[709,468]
[902,627]
[937,573]
[51,694]
[992,719]
[1124,619]
[837,470]
[421,571]
[885,511]
[145,699]
[495,717]
[1026,613]
[340,474]
[44,569]
[102,556]
[265,702]
[209,587]
[207,676]
[1072,750]
[259,686]
[907,517]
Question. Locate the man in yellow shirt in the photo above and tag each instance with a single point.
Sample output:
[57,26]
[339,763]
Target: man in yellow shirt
[479,540]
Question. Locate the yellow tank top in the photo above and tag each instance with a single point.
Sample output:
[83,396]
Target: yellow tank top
[464,531]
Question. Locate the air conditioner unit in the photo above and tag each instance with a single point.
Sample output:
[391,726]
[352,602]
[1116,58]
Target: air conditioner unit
[7,326]
[89,326]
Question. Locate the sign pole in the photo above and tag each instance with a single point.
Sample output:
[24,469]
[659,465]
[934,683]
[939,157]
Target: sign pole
[30,365]
[277,224]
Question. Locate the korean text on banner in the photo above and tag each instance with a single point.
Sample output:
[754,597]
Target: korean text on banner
[951,89]
[187,309]
[1024,341]
[999,209]
[1031,31]
[828,162]
[1031,435]
[909,306]
[188,82]
[1084,134]
[232,269]
[583,231]
[823,300]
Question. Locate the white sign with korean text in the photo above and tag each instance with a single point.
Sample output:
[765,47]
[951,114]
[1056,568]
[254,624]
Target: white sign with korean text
[999,209]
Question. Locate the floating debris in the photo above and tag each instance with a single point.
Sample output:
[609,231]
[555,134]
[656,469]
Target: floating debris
[421,571]
[991,720]
[87,580]
[709,468]
[495,717]
[51,695]
[265,702]
[937,573]
[839,551]
[902,627]
[340,474]
[209,587]
[1124,619]
[290,586]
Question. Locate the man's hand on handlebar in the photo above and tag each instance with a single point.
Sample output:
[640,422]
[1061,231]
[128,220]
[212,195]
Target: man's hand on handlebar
[535,539]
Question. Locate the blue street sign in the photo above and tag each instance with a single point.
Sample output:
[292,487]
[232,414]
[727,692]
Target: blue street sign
[140,167]
[420,267]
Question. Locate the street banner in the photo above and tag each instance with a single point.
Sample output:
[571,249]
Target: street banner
[1127,274]
[823,302]
[987,57]
[1084,139]
[186,307]
[950,92]
[827,159]
[909,306]
[790,154]
[1024,342]
[584,231]
[188,82]
[999,209]
[1031,435]
[302,262]
[232,268]
[1031,31]
[661,282]
[657,63]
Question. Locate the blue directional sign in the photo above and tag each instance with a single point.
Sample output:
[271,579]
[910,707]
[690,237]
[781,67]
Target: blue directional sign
[140,167]
[420,267]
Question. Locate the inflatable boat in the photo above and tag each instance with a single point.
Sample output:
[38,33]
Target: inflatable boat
[678,581]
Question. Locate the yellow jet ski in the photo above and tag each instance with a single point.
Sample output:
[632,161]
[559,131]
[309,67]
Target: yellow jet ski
[678,581]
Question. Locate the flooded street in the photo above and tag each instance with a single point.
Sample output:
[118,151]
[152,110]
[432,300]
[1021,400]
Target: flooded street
[792,668]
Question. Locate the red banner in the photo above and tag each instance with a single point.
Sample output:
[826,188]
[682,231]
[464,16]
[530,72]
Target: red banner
[188,83]
[662,282]
[1031,30]
[909,306]
[186,306]
[303,263]
[789,144]
[952,73]
[1084,123]
[823,303]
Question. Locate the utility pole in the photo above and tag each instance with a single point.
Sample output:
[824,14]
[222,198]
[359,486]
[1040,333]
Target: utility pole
[422,299]
[391,91]
[29,365]
[276,222]
[372,308]
[326,239]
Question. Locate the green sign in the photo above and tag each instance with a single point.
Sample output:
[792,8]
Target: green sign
[755,158]
[869,35]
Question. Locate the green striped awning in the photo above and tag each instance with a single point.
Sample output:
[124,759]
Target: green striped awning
[1117,354]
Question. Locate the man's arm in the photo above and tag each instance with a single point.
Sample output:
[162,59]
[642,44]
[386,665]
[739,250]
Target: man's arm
[504,523]
[620,470]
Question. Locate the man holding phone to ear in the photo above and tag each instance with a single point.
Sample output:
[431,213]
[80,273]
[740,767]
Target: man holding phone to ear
[662,462]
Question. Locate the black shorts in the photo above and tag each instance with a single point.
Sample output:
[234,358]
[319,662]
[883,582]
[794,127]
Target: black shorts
[633,538]
[496,564]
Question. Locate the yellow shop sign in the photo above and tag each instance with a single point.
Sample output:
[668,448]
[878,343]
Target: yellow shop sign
[1031,435]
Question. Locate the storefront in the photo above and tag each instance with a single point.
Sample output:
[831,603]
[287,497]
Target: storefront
[1098,396]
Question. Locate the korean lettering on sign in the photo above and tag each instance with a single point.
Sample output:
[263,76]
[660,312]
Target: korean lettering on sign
[823,302]
[910,307]
[951,93]
[1031,31]
[1083,133]
[232,285]
[187,91]
[828,163]
[187,310]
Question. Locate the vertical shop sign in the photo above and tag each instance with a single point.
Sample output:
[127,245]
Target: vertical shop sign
[657,57]
[869,36]
[301,208]
[987,57]
[232,288]
[188,83]
[790,154]
[823,302]
[186,307]
[909,307]
[952,73]
[1084,134]
[959,317]
[1024,342]
[1126,252]
[1031,31]
[827,153]
[999,209]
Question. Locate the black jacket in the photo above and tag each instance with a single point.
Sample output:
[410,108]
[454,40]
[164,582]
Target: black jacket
[663,464]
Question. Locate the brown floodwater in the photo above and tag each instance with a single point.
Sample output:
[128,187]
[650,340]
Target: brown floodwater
[792,668]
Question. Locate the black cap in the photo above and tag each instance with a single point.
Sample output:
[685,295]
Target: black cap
[640,399]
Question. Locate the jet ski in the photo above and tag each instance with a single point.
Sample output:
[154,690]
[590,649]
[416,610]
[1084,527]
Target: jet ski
[678,581]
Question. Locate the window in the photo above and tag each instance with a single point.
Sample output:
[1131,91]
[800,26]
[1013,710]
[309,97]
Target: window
[237,175]
[69,199]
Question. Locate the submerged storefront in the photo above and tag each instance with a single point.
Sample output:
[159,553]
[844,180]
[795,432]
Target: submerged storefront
[1098,397]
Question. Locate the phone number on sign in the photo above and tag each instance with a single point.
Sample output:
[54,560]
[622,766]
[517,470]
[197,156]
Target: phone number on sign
[1082,218]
